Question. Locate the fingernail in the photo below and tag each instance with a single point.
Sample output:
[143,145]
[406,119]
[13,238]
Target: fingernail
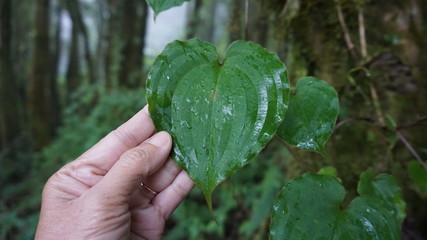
[159,139]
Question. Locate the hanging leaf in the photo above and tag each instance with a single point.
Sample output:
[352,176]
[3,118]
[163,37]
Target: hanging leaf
[309,207]
[159,6]
[220,114]
[310,119]
[419,175]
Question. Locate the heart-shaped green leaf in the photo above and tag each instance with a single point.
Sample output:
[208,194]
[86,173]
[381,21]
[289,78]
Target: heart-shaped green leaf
[220,115]
[310,119]
[159,6]
[383,187]
[309,207]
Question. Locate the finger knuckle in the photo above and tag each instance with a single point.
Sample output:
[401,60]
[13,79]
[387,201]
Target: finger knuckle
[124,136]
[136,156]
[180,190]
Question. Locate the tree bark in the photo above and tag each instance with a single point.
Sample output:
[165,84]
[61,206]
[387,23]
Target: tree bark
[113,43]
[258,23]
[54,99]
[77,19]
[73,69]
[194,20]
[38,104]
[235,28]
[10,114]
[133,30]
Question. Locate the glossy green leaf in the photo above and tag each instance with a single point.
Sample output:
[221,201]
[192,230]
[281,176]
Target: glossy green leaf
[220,114]
[309,207]
[311,117]
[419,176]
[383,187]
[159,6]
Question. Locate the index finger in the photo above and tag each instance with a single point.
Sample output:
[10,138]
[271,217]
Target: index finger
[129,135]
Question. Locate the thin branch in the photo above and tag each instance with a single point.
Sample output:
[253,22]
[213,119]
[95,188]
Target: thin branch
[411,149]
[348,41]
[377,105]
[362,34]
[348,120]
[418,122]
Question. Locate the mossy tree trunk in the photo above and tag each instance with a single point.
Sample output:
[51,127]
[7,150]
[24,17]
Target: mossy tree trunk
[74,10]
[10,104]
[38,90]
[133,29]
[126,40]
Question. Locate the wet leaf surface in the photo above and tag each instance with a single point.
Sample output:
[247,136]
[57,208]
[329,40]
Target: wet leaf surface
[310,119]
[220,114]
[383,187]
[309,207]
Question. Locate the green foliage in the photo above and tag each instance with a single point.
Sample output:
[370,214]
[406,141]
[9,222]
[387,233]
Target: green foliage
[383,187]
[309,207]
[84,124]
[220,114]
[159,6]
[310,120]
[419,175]
[89,118]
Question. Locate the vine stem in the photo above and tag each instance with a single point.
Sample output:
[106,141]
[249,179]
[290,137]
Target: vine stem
[411,149]
[418,122]
[362,33]
[295,154]
[347,38]
[377,105]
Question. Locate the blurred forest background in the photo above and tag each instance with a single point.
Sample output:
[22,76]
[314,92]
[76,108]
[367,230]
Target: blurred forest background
[71,71]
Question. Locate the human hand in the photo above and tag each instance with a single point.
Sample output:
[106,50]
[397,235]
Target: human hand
[100,196]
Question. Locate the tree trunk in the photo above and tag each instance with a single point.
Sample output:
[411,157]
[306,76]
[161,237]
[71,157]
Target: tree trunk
[38,104]
[133,34]
[73,69]
[258,23]
[101,48]
[210,35]
[113,44]
[77,19]
[235,28]
[54,99]
[10,117]
[194,20]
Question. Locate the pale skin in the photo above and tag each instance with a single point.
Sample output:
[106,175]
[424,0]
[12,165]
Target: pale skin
[99,195]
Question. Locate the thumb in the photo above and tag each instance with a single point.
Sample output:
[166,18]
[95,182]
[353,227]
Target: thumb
[133,166]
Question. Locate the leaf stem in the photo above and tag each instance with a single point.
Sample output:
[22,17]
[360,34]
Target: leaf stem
[295,155]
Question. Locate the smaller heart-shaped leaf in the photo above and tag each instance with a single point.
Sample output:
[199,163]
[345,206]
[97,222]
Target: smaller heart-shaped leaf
[309,207]
[311,117]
